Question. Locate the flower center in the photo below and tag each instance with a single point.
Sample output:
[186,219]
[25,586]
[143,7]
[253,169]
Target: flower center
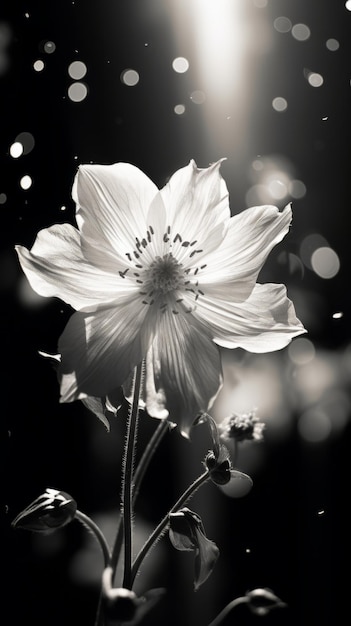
[164,274]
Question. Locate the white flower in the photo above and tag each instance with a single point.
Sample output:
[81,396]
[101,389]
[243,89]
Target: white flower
[166,276]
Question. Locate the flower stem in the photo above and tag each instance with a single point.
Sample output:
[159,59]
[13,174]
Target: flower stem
[142,466]
[127,478]
[165,521]
[98,534]
[220,617]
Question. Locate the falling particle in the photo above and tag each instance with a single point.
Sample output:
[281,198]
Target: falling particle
[6,509]
[130,77]
[300,32]
[38,65]
[49,47]
[338,315]
[3,198]
[332,44]
[77,70]
[77,92]
[26,15]
[26,182]
[260,4]
[324,119]
[9,434]
[16,149]
[179,109]
[180,65]
[248,550]
[321,512]
[315,79]
[63,208]
[75,157]
[146,44]
[279,104]
[198,97]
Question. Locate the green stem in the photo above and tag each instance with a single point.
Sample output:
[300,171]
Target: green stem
[98,534]
[165,521]
[220,617]
[127,478]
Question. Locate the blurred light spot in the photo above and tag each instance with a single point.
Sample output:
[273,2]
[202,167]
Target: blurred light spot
[63,208]
[3,198]
[332,44]
[324,119]
[297,189]
[279,104]
[27,141]
[16,149]
[309,245]
[77,92]
[282,24]
[26,15]
[277,189]
[314,425]
[257,165]
[247,550]
[257,194]
[321,512]
[337,405]
[49,47]
[348,5]
[38,65]
[325,262]
[301,351]
[315,79]
[301,32]
[179,109]
[77,70]
[130,78]
[260,4]
[292,261]
[180,65]
[315,378]
[338,315]
[198,97]
[26,182]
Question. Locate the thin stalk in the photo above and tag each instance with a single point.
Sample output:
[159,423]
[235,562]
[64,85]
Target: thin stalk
[164,522]
[127,478]
[98,534]
[220,617]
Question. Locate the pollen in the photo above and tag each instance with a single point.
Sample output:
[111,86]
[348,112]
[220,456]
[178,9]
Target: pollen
[165,274]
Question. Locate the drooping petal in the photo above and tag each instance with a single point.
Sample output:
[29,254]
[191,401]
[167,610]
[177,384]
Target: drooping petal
[100,349]
[55,266]
[196,200]
[265,322]
[112,206]
[186,368]
[234,265]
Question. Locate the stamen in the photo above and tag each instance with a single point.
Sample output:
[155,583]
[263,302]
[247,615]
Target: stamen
[175,312]
[137,256]
[177,238]
[144,243]
[193,242]
[203,266]
[151,230]
[168,230]
[194,252]
[186,244]
[129,256]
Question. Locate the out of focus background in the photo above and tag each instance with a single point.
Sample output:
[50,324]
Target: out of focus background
[266,84]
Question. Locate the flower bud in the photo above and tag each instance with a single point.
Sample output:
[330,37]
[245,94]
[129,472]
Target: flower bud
[261,601]
[50,511]
[220,468]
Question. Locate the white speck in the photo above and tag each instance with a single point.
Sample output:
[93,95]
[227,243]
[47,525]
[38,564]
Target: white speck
[321,512]
[338,315]
[26,182]
[63,208]
[248,550]
[324,119]
[179,109]
[16,149]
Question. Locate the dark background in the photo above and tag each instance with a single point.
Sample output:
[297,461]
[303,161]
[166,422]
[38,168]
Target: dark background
[289,533]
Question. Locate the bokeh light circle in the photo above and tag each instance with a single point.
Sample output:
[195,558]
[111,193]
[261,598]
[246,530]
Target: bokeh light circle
[297,189]
[315,79]
[77,70]
[16,149]
[301,351]
[314,425]
[130,77]
[77,92]
[198,97]
[301,32]
[282,24]
[3,198]
[179,109]
[180,65]
[38,65]
[279,104]
[26,182]
[332,44]
[49,47]
[309,244]
[325,262]
[348,5]
[27,140]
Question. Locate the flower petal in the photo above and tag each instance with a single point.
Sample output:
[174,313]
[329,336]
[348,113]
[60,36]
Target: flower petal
[186,367]
[265,322]
[99,350]
[249,239]
[55,266]
[112,206]
[196,200]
